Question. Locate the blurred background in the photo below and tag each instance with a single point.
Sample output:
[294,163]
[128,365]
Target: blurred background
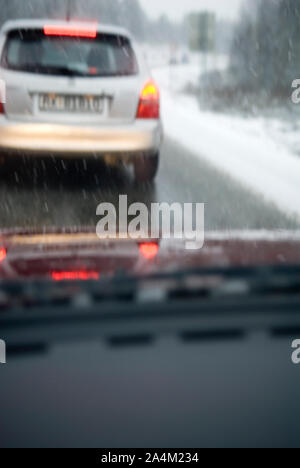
[251,47]
[225,70]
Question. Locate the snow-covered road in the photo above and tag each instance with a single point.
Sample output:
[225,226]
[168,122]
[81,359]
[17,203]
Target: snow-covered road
[206,158]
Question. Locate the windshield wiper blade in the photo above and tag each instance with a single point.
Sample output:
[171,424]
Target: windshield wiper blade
[124,287]
[63,70]
[137,320]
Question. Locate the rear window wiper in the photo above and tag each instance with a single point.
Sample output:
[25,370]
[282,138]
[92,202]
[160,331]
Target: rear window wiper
[64,71]
[47,70]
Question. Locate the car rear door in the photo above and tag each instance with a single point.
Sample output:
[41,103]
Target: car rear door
[115,95]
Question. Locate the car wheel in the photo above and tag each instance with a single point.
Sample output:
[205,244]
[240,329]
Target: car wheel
[146,167]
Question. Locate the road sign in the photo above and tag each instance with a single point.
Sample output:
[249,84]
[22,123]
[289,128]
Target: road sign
[202,28]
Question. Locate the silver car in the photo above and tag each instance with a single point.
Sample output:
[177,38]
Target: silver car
[78,90]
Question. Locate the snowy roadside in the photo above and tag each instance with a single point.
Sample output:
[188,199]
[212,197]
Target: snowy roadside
[257,152]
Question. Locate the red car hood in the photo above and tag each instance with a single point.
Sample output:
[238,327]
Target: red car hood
[81,255]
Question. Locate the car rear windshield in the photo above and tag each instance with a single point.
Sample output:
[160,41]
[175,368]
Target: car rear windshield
[34,52]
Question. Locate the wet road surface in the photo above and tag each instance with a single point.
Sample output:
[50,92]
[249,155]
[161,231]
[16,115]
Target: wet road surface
[35,194]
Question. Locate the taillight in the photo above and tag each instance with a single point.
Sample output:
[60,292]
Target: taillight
[1,108]
[149,105]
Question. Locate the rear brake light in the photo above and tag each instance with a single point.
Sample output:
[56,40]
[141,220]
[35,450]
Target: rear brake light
[71,31]
[149,105]
[1,108]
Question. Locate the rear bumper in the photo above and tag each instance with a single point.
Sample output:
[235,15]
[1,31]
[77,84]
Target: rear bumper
[77,140]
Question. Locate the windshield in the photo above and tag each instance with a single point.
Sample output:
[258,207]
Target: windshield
[35,52]
[165,121]
[149,226]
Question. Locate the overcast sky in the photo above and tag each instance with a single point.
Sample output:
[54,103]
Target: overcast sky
[176,9]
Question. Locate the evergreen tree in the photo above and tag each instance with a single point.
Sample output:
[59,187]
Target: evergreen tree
[265,51]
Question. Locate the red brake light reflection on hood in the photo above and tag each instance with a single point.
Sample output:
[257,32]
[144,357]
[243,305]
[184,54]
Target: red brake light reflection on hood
[3,254]
[71,31]
[149,251]
[80,275]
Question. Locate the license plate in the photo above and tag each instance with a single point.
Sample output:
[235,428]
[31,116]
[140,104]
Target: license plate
[64,103]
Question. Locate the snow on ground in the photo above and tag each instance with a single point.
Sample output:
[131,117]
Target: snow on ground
[257,152]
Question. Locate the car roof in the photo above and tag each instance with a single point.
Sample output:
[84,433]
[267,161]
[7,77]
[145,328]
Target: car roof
[39,23]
